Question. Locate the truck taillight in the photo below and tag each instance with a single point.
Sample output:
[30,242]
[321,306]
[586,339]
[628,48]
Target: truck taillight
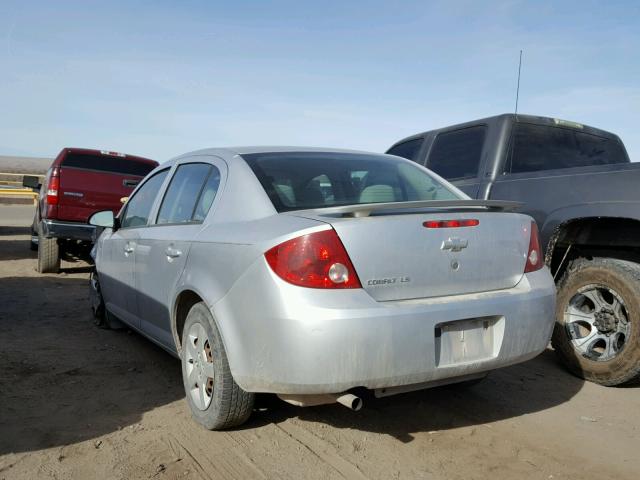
[315,260]
[53,185]
[534,255]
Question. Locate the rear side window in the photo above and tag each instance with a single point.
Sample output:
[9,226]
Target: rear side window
[539,147]
[139,206]
[106,163]
[409,149]
[190,194]
[456,154]
[307,180]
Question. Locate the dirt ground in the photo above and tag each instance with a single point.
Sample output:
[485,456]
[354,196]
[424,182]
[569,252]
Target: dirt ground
[80,402]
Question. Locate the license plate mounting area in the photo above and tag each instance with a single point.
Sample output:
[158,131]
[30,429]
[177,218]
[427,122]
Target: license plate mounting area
[468,340]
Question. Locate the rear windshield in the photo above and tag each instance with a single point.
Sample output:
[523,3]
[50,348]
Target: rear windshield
[301,180]
[105,163]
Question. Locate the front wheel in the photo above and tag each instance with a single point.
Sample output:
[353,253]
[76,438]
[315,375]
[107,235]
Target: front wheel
[597,331]
[215,399]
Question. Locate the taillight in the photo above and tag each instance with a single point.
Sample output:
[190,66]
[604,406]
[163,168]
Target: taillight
[53,185]
[315,260]
[534,255]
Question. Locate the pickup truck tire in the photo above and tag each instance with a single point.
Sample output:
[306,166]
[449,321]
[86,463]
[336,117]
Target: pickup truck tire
[48,255]
[621,364]
[219,402]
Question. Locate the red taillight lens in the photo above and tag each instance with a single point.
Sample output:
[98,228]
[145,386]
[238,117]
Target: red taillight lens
[465,222]
[53,185]
[534,255]
[316,260]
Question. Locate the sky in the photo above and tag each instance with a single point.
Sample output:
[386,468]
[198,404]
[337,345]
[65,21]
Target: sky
[158,78]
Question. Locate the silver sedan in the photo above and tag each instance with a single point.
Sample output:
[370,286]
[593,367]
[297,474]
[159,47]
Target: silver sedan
[314,273]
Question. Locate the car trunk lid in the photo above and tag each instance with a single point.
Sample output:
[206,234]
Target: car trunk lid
[397,257]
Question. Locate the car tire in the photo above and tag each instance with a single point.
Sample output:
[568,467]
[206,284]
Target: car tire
[217,402]
[48,255]
[617,360]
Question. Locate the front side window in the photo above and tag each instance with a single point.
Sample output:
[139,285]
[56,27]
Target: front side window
[409,149]
[538,147]
[307,180]
[457,154]
[139,206]
[180,203]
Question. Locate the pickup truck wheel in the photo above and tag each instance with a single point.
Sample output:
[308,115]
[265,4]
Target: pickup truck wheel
[215,399]
[48,255]
[597,331]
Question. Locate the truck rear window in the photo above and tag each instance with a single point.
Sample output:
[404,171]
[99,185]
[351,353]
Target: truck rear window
[307,180]
[106,163]
[538,147]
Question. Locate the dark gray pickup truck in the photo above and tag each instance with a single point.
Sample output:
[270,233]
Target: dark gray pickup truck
[579,185]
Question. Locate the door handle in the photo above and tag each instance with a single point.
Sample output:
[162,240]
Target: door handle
[171,252]
[129,248]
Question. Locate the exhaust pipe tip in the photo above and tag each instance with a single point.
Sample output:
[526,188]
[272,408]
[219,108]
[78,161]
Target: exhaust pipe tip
[350,401]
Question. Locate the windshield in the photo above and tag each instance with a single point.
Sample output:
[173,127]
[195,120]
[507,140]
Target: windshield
[306,180]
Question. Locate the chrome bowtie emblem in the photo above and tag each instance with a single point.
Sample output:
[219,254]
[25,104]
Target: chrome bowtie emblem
[454,244]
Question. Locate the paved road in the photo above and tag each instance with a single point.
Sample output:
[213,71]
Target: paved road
[16,215]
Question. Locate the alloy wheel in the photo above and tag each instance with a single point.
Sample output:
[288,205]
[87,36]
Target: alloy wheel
[198,358]
[597,322]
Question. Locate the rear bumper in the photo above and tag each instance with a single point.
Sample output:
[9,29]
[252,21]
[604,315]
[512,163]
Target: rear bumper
[285,339]
[67,230]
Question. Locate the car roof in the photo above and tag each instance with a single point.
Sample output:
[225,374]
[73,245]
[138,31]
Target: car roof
[229,153]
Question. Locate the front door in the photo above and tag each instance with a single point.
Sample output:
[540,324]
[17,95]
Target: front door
[117,273]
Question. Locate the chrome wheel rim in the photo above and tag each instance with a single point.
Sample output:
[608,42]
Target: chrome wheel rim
[198,358]
[597,322]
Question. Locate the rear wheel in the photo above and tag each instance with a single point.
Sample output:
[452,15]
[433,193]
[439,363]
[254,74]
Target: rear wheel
[48,255]
[597,331]
[215,399]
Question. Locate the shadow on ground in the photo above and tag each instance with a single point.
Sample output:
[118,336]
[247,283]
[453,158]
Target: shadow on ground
[62,379]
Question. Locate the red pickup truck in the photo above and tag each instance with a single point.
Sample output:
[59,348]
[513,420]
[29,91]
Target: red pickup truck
[79,183]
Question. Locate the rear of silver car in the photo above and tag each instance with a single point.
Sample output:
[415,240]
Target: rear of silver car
[437,304]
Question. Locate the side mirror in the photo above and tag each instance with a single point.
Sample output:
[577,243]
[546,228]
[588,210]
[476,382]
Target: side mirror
[31,181]
[103,219]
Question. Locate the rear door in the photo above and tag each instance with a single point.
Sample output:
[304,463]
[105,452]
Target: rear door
[456,155]
[93,182]
[121,250]
[164,246]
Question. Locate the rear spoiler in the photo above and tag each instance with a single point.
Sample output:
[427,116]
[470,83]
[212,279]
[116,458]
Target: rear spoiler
[366,209]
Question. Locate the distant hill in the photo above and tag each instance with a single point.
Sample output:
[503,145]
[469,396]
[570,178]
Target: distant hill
[10,164]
